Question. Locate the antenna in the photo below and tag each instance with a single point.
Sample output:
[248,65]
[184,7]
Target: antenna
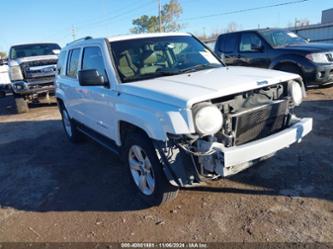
[73,33]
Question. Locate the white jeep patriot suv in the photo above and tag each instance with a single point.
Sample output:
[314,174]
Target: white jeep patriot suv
[173,111]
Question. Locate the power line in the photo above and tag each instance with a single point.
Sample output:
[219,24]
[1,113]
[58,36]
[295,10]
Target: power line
[125,13]
[245,10]
[92,22]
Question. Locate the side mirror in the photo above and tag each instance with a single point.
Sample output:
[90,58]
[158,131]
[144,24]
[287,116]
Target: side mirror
[91,77]
[56,51]
[222,57]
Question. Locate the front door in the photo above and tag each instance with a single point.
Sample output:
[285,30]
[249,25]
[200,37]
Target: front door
[99,100]
[252,51]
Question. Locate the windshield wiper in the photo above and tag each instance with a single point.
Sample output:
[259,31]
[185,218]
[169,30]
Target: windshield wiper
[160,73]
[199,67]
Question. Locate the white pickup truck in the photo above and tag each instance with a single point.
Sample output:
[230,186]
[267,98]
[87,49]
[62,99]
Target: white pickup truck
[173,111]
[4,79]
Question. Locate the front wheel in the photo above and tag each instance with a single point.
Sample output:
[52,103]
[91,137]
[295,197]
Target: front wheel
[146,170]
[21,105]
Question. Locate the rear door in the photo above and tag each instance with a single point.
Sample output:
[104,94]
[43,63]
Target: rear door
[227,48]
[68,82]
[252,51]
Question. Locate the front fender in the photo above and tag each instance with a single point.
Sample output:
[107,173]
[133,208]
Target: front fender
[156,119]
[304,64]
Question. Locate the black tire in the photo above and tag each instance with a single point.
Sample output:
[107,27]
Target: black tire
[73,134]
[163,190]
[291,68]
[21,105]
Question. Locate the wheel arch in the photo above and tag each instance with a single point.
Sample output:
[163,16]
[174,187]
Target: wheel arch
[127,128]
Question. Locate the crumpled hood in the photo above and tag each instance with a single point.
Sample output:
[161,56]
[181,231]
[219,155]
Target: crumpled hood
[187,89]
[19,61]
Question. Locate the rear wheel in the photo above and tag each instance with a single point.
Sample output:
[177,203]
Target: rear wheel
[21,105]
[70,128]
[146,170]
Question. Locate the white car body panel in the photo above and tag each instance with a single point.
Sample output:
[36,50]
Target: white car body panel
[18,61]
[4,76]
[238,155]
[199,86]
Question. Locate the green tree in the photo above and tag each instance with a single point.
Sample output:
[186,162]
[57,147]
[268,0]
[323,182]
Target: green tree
[145,24]
[170,14]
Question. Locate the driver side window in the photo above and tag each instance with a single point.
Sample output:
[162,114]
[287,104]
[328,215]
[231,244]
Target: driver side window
[93,59]
[250,42]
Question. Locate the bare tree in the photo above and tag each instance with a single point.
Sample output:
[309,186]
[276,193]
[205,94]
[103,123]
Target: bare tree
[232,27]
[3,54]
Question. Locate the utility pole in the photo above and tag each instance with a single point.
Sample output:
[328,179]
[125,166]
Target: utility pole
[159,15]
[73,33]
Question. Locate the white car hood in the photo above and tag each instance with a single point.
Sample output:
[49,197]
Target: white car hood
[18,61]
[187,89]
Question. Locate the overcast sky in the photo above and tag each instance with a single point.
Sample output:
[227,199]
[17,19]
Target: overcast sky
[46,20]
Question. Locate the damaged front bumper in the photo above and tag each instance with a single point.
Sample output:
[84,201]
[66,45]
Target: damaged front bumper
[183,169]
[237,158]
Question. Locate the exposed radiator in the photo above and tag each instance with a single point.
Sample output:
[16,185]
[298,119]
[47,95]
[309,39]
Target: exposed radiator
[259,122]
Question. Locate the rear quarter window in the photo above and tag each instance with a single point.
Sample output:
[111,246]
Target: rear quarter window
[73,63]
[227,43]
[61,63]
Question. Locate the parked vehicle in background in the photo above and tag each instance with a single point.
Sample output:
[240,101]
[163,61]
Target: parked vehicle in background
[172,110]
[32,68]
[278,49]
[5,86]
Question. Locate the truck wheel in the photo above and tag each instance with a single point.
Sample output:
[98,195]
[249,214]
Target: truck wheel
[21,105]
[71,131]
[146,170]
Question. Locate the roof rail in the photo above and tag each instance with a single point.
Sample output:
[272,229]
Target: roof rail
[81,39]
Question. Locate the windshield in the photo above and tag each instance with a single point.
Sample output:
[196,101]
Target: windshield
[33,50]
[281,38]
[145,58]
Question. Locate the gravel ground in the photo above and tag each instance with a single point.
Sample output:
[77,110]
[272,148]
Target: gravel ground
[53,191]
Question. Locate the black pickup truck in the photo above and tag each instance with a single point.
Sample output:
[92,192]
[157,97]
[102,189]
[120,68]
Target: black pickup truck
[278,49]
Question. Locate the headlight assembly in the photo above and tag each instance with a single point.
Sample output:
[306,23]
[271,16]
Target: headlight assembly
[318,58]
[296,92]
[15,73]
[208,119]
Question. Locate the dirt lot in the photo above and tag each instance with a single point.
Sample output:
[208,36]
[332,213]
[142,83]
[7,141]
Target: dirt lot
[51,190]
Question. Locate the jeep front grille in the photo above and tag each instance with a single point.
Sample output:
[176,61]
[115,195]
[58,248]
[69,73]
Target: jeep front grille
[259,122]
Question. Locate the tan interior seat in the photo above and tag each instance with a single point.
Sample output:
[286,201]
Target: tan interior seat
[126,66]
[149,63]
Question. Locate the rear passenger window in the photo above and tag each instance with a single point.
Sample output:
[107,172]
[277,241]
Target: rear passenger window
[61,63]
[93,59]
[228,43]
[73,63]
